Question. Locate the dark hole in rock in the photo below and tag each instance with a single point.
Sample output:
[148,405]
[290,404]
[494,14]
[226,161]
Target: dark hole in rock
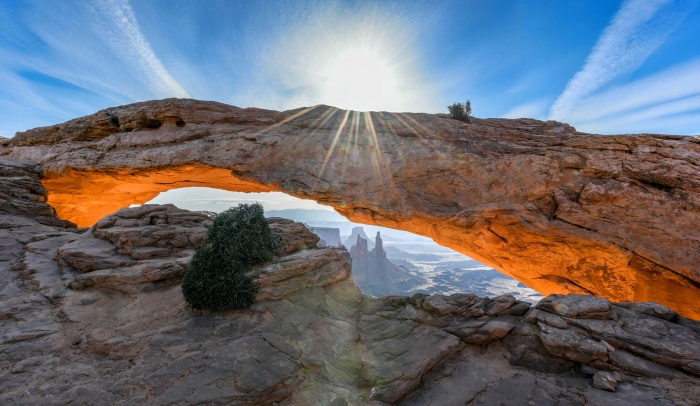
[660,186]
[151,123]
[174,120]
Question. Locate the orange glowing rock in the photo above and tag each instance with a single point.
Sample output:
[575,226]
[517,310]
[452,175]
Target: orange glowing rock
[73,193]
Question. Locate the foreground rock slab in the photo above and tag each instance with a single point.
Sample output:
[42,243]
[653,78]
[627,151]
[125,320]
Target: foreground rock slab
[311,337]
[560,210]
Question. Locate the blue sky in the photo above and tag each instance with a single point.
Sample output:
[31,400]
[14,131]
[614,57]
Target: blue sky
[604,66]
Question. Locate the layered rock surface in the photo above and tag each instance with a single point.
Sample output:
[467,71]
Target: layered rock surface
[560,210]
[127,336]
[23,195]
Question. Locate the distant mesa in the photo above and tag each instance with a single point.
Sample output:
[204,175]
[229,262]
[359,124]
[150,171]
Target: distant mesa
[306,215]
[329,236]
[396,253]
[352,240]
[374,274]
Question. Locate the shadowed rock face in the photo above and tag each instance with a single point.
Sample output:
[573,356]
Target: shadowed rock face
[562,211]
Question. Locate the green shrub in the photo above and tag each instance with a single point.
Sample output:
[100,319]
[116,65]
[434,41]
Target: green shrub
[461,111]
[238,239]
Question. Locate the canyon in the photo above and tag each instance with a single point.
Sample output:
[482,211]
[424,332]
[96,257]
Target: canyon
[559,210]
[96,316]
[375,275]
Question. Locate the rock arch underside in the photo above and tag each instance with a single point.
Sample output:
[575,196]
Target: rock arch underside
[560,210]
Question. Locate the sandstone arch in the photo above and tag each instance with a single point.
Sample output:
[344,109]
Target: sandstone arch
[560,210]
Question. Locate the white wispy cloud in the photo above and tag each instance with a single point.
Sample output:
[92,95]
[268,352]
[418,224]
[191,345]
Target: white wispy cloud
[123,35]
[681,124]
[636,31]
[85,56]
[670,84]
[665,102]
[534,109]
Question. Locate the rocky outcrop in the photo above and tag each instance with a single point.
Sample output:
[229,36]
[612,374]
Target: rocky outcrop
[560,210]
[25,222]
[134,249]
[311,337]
[375,275]
[295,236]
[22,194]
[558,359]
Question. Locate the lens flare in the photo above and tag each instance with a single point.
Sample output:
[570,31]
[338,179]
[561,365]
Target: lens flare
[360,79]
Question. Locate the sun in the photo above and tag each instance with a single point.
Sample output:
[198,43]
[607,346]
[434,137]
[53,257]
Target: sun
[361,78]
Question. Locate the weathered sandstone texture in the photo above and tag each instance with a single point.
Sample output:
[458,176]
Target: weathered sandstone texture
[563,211]
[96,317]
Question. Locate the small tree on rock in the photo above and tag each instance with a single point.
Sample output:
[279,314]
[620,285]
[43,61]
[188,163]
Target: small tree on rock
[238,239]
[461,111]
